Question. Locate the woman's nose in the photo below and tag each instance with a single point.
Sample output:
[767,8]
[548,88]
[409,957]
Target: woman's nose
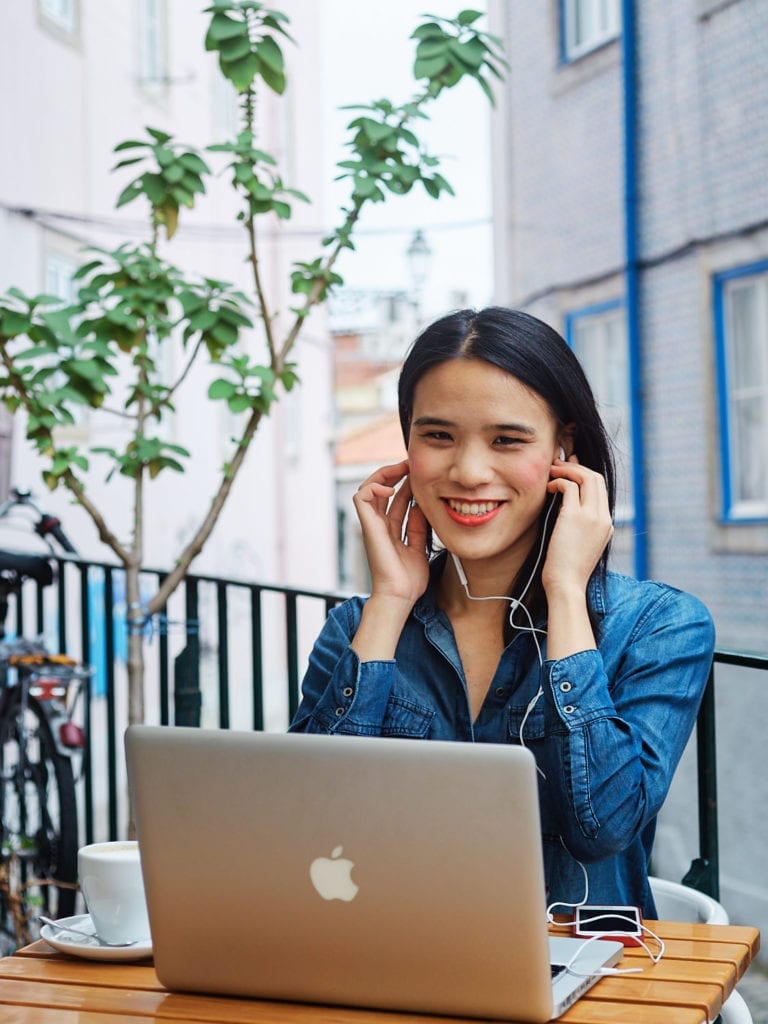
[470,468]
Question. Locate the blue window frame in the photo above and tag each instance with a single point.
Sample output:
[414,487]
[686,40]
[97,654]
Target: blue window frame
[587,24]
[598,337]
[741,341]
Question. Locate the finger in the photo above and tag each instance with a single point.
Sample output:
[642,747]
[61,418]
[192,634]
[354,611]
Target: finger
[387,474]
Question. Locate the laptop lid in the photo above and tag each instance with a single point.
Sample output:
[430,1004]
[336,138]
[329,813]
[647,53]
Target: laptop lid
[384,873]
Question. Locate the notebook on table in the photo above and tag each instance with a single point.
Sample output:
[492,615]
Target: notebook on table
[383,873]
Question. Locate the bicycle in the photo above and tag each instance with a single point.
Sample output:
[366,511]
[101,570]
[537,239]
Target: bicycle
[39,739]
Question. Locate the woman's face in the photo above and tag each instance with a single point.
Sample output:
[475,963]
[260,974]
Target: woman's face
[480,449]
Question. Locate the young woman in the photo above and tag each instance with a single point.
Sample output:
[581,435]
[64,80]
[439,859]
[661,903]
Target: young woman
[516,632]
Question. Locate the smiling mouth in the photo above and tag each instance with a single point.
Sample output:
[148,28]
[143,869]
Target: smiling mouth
[471,513]
[472,508]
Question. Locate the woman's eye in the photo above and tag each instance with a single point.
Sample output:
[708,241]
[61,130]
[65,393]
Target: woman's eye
[437,435]
[503,441]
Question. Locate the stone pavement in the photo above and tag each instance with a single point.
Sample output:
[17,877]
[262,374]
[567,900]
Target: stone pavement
[754,988]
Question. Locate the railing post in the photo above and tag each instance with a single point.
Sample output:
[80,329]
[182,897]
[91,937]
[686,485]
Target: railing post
[704,872]
[187,696]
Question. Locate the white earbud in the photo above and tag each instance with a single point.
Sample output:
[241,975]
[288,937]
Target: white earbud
[562,453]
[459,570]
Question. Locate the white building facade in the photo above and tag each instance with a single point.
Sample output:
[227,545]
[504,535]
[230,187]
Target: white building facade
[79,76]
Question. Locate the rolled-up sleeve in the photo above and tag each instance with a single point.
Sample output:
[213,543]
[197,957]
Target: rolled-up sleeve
[338,689]
[614,739]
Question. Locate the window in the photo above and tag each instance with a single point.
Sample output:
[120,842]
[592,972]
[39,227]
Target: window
[62,14]
[598,336]
[153,49]
[58,276]
[741,331]
[587,24]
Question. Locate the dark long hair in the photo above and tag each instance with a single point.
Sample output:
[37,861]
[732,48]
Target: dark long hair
[541,359]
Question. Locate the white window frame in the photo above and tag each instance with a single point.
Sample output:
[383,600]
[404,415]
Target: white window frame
[588,24]
[743,455]
[58,273]
[599,338]
[61,14]
[153,44]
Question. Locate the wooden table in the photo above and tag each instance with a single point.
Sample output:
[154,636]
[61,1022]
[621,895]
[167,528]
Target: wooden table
[701,966]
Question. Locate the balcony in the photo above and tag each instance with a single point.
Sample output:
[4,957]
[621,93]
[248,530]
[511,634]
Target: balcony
[230,654]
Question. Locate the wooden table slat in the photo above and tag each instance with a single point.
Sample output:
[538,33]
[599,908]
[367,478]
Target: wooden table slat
[620,1013]
[699,970]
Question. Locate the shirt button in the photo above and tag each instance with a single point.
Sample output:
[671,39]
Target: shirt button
[565,686]
[339,712]
[347,691]
[569,709]
[500,691]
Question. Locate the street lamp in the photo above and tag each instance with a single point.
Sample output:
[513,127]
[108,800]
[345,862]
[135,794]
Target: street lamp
[419,256]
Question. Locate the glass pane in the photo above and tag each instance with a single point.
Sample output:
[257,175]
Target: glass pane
[616,375]
[584,26]
[60,12]
[750,467]
[743,333]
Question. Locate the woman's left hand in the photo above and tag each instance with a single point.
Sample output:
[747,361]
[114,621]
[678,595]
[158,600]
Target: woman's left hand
[582,530]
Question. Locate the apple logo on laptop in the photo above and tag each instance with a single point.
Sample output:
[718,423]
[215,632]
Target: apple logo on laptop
[332,876]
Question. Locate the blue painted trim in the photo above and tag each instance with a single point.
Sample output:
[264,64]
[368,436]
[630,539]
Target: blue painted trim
[722,397]
[563,33]
[721,364]
[632,284]
[595,310]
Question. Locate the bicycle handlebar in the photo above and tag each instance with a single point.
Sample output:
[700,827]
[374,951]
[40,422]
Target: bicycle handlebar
[46,525]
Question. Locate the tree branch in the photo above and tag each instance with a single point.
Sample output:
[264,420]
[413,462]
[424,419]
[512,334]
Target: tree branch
[254,261]
[77,489]
[195,546]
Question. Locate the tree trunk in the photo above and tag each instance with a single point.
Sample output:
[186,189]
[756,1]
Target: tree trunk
[136,623]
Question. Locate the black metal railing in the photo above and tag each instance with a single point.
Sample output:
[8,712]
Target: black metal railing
[223,653]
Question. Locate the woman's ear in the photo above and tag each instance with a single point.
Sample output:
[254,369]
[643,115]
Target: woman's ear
[565,439]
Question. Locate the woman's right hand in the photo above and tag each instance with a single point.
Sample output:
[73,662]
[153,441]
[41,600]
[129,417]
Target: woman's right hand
[399,564]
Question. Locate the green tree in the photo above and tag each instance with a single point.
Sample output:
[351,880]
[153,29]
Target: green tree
[131,302]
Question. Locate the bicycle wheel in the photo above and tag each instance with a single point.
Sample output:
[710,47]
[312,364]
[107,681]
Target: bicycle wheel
[38,823]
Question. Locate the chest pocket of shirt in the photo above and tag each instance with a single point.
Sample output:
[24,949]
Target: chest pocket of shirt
[402,718]
[532,726]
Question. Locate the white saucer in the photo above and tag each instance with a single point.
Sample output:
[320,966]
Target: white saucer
[81,945]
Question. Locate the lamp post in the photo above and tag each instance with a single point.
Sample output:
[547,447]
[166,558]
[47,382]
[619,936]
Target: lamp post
[419,256]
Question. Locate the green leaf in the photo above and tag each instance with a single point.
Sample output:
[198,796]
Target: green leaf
[221,389]
[192,162]
[239,403]
[14,323]
[271,54]
[128,194]
[429,68]
[223,27]
[161,137]
[241,72]
[235,47]
[129,144]
[468,17]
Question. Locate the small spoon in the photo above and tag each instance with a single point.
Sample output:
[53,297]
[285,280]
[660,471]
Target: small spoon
[88,935]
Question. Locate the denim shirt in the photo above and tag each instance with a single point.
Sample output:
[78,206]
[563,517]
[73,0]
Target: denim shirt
[607,731]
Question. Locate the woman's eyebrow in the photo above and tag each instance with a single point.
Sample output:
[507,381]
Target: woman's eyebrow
[432,421]
[509,428]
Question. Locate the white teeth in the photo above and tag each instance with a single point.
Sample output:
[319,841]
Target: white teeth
[475,508]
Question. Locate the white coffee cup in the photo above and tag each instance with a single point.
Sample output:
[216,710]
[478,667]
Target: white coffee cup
[111,882]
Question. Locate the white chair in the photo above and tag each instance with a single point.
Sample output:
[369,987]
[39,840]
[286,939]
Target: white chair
[675,902]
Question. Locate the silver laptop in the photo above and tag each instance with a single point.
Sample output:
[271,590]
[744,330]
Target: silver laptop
[384,873]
